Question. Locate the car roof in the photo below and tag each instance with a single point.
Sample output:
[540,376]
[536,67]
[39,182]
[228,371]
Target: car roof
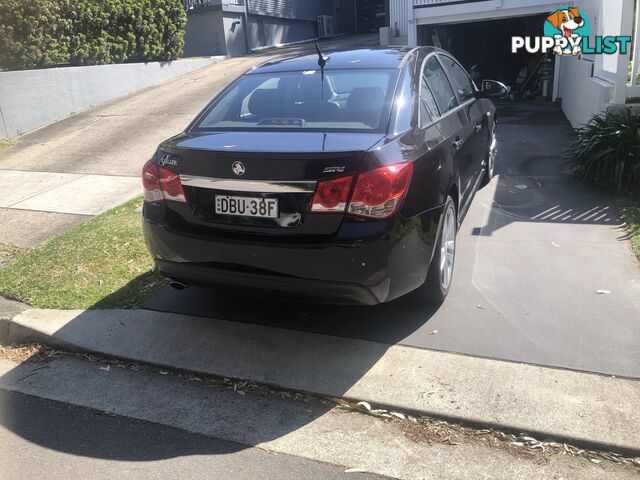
[359,59]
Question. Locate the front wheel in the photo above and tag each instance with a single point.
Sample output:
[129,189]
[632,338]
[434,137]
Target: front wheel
[438,283]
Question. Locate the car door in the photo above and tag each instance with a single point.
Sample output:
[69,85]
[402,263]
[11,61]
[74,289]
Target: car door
[452,125]
[434,168]
[475,133]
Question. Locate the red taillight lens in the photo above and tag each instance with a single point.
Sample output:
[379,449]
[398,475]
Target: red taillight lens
[331,195]
[160,183]
[151,182]
[378,193]
[171,186]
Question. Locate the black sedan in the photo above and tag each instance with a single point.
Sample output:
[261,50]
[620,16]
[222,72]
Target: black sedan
[342,179]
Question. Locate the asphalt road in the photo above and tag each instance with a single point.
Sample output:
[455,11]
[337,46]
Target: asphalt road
[49,439]
[533,251]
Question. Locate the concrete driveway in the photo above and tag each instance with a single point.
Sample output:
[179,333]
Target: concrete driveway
[534,250]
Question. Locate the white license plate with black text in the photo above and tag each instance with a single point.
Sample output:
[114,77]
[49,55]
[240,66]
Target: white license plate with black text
[247,206]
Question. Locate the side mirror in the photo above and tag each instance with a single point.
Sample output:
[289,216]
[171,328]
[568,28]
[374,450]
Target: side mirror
[494,89]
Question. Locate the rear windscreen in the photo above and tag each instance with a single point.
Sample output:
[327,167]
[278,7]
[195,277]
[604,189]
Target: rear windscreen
[343,100]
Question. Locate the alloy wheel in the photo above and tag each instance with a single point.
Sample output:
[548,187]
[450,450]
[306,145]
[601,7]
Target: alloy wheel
[447,247]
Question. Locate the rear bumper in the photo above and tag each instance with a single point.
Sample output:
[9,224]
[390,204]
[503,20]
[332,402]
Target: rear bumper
[359,265]
[272,285]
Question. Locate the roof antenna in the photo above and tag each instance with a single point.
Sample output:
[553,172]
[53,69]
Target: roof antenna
[322,61]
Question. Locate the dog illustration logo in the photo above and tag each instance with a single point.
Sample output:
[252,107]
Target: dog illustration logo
[567,31]
[567,23]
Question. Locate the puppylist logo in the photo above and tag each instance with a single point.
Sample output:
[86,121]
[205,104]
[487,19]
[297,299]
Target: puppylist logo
[567,32]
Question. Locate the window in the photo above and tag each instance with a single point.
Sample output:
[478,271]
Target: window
[440,86]
[269,84]
[344,100]
[461,81]
[404,103]
[346,81]
[428,107]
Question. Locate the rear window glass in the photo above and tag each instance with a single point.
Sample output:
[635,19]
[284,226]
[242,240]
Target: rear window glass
[344,100]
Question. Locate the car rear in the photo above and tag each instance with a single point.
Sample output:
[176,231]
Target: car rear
[277,186]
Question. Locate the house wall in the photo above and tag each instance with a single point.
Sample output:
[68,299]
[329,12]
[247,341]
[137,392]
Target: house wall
[292,9]
[275,22]
[218,28]
[399,17]
[234,24]
[266,30]
[601,79]
[204,34]
[582,96]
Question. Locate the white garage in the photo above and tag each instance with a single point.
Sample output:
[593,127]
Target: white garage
[476,31]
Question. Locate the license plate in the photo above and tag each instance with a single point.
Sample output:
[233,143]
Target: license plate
[247,206]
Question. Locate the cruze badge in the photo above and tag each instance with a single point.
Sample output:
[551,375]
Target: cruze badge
[168,161]
[238,168]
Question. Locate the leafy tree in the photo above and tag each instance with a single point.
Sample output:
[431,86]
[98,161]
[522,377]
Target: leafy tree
[46,33]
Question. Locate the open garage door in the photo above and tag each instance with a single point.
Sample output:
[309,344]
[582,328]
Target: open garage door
[484,48]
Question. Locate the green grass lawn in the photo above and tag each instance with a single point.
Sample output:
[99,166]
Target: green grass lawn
[630,213]
[102,263]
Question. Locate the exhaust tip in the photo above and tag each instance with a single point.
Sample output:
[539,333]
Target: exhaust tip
[177,285]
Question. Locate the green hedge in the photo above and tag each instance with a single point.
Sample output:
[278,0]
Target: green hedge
[45,33]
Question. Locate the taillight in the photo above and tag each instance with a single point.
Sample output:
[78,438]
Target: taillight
[160,183]
[151,182]
[331,195]
[378,193]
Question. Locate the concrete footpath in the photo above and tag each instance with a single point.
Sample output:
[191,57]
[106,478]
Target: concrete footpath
[584,409]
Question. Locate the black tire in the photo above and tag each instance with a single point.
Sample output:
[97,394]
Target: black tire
[489,159]
[435,289]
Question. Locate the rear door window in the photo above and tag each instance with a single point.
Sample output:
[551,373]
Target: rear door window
[459,78]
[440,86]
[428,107]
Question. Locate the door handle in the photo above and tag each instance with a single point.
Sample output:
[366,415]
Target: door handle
[457,145]
[477,128]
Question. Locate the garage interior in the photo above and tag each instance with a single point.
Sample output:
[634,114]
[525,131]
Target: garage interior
[484,49]
[371,15]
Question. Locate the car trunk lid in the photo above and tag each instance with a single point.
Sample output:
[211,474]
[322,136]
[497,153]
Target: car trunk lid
[261,166]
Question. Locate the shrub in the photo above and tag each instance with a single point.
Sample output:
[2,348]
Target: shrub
[607,150]
[45,33]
